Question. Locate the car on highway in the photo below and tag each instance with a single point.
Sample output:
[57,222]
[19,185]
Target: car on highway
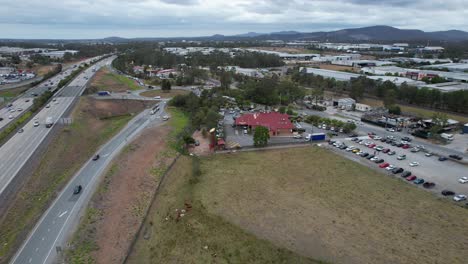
[447,193]
[463,180]
[157,97]
[19,109]
[397,170]
[442,158]
[20,130]
[384,165]
[36,124]
[77,189]
[418,181]
[48,106]
[414,164]
[459,197]
[401,157]
[10,117]
[411,178]
[96,157]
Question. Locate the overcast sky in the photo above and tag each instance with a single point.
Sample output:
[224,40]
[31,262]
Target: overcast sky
[168,18]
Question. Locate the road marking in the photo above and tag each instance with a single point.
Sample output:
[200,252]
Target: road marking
[37,249]
[105,155]
[62,214]
[43,238]
[30,260]
[48,229]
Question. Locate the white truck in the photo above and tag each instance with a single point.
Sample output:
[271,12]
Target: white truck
[49,122]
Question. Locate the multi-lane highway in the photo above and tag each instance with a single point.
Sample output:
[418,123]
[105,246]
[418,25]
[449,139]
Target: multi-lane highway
[50,235]
[16,152]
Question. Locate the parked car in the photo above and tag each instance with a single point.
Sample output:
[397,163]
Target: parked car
[456,157]
[20,130]
[406,139]
[405,146]
[384,165]
[428,185]
[370,157]
[353,135]
[401,157]
[447,193]
[442,158]
[459,197]
[414,164]
[406,174]
[379,161]
[365,154]
[371,146]
[418,181]
[397,170]
[391,153]
[375,158]
[379,148]
[390,167]
[414,150]
[386,150]
[77,189]
[463,180]
[428,154]
[411,178]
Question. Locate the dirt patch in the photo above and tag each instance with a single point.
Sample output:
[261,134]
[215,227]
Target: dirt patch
[109,108]
[105,80]
[318,204]
[204,147]
[164,94]
[42,70]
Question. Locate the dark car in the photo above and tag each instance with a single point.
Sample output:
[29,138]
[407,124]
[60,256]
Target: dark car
[379,161]
[442,158]
[370,156]
[77,189]
[353,135]
[365,154]
[385,150]
[393,143]
[455,157]
[343,146]
[406,139]
[447,193]
[96,157]
[428,185]
[1,118]
[418,181]
[406,174]
[399,145]
[397,170]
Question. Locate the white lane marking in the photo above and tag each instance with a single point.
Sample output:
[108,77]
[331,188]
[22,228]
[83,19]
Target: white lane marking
[37,249]
[62,214]
[43,238]
[105,155]
[30,260]
[48,229]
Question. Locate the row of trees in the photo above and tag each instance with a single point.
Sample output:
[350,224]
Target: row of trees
[317,120]
[271,91]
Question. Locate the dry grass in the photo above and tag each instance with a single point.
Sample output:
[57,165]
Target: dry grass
[198,236]
[105,80]
[164,94]
[66,153]
[321,205]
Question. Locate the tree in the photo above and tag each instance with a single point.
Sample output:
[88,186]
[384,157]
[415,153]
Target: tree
[15,59]
[394,109]
[390,98]
[225,79]
[261,136]
[166,85]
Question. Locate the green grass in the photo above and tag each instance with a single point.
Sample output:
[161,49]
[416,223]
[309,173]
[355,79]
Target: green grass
[165,94]
[179,121]
[198,237]
[132,85]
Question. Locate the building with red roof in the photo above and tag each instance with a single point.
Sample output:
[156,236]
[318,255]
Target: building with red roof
[276,123]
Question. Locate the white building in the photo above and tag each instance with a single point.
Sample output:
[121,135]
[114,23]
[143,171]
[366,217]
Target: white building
[344,103]
[362,107]
[58,54]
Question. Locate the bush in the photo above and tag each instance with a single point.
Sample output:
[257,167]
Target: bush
[394,109]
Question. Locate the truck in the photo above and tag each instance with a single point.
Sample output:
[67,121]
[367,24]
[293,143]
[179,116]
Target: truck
[447,136]
[49,122]
[103,93]
[315,137]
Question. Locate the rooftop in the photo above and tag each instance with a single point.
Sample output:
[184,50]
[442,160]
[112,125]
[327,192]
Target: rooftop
[273,120]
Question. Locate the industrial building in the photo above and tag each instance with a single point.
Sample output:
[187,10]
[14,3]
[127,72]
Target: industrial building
[344,103]
[337,75]
[277,123]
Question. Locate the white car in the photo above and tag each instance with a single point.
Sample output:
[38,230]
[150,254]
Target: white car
[390,167]
[463,180]
[375,158]
[459,197]
[414,164]
[10,117]
[377,138]
[157,97]
[36,123]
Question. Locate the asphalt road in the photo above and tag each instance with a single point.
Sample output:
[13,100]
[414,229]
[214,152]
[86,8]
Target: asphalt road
[62,217]
[19,148]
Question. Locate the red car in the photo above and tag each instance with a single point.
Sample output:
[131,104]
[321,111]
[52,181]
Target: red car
[405,146]
[411,178]
[372,145]
[385,150]
[384,165]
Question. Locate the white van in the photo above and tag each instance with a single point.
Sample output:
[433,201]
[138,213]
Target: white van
[447,136]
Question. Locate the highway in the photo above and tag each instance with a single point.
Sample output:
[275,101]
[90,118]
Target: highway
[9,114]
[19,148]
[61,219]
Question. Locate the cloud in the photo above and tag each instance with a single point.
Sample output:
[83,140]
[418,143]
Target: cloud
[194,17]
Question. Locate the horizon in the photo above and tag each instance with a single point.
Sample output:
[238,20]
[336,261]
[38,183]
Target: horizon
[193,18]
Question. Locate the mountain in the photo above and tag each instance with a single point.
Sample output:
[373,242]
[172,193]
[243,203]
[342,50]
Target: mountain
[249,35]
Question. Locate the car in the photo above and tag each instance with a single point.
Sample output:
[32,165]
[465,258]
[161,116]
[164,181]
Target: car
[165,118]
[360,142]
[463,180]
[1,118]
[411,178]
[399,145]
[27,100]
[36,123]
[375,158]
[370,157]
[48,106]
[379,161]
[418,181]
[343,146]
[447,193]
[377,137]
[453,156]
[383,140]
[414,150]
[391,130]
[384,165]
[157,97]
[355,139]
[428,154]
[414,164]
[385,150]
[365,154]
[371,146]
[401,157]
[356,150]
[391,153]
[77,189]
[406,174]
[359,152]
[428,185]
[96,157]
[379,148]
[20,130]
[459,197]
[349,148]
[397,170]
[442,158]
[405,146]
[406,139]
[298,136]
[353,135]
[390,167]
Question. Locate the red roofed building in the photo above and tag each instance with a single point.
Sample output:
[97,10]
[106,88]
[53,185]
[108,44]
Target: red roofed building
[276,123]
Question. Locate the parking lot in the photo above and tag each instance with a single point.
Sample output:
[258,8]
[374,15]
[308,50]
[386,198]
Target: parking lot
[445,174]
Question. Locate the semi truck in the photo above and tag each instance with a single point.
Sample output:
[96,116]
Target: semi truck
[49,122]
[103,93]
[315,137]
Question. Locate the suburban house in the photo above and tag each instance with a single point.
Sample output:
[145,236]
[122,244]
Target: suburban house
[277,123]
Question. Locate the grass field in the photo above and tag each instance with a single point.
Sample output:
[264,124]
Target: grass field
[425,113]
[164,94]
[65,155]
[14,92]
[321,205]
[198,236]
[105,80]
